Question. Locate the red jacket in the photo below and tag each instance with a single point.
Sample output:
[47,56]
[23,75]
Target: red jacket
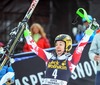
[42,43]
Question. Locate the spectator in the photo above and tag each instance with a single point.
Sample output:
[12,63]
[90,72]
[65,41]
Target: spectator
[94,54]
[39,36]
[80,33]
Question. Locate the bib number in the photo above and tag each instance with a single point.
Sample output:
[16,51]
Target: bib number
[55,73]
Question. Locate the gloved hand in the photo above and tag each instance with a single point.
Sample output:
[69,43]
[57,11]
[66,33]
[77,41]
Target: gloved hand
[9,82]
[89,32]
[26,32]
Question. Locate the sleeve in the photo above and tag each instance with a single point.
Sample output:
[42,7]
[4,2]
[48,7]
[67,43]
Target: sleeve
[93,48]
[10,69]
[46,43]
[37,50]
[79,49]
[75,58]
[26,48]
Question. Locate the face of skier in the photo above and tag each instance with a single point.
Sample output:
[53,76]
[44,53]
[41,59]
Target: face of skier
[60,47]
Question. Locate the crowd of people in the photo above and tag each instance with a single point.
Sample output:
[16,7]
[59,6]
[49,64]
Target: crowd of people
[61,63]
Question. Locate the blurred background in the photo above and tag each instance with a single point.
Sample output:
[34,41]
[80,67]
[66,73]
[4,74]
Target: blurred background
[55,16]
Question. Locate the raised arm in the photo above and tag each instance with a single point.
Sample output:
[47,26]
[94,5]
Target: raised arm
[34,48]
[79,49]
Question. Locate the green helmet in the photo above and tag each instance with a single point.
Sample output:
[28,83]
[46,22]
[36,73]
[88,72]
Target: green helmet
[67,39]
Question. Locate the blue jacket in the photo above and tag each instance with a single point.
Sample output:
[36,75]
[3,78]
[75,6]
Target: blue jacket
[6,69]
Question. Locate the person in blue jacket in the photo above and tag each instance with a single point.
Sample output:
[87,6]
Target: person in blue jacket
[80,34]
[7,75]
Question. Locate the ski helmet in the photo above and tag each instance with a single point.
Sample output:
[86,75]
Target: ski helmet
[67,39]
[90,18]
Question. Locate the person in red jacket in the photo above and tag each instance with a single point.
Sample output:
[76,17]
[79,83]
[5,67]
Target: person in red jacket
[39,36]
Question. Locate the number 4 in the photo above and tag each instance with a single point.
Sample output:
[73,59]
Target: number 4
[55,73]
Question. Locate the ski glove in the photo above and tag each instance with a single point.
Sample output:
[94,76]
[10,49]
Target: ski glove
[89,32]
[26,33]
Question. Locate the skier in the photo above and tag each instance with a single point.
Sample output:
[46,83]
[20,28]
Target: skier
[61,63]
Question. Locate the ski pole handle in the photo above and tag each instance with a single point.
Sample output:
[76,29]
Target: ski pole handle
[83,14]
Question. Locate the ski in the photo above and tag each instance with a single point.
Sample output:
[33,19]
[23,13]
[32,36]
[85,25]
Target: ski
[15,35]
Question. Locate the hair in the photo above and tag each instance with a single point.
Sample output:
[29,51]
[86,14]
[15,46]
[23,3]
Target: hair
[41,29]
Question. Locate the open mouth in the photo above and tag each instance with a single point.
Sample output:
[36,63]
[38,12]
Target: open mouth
[58,52]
